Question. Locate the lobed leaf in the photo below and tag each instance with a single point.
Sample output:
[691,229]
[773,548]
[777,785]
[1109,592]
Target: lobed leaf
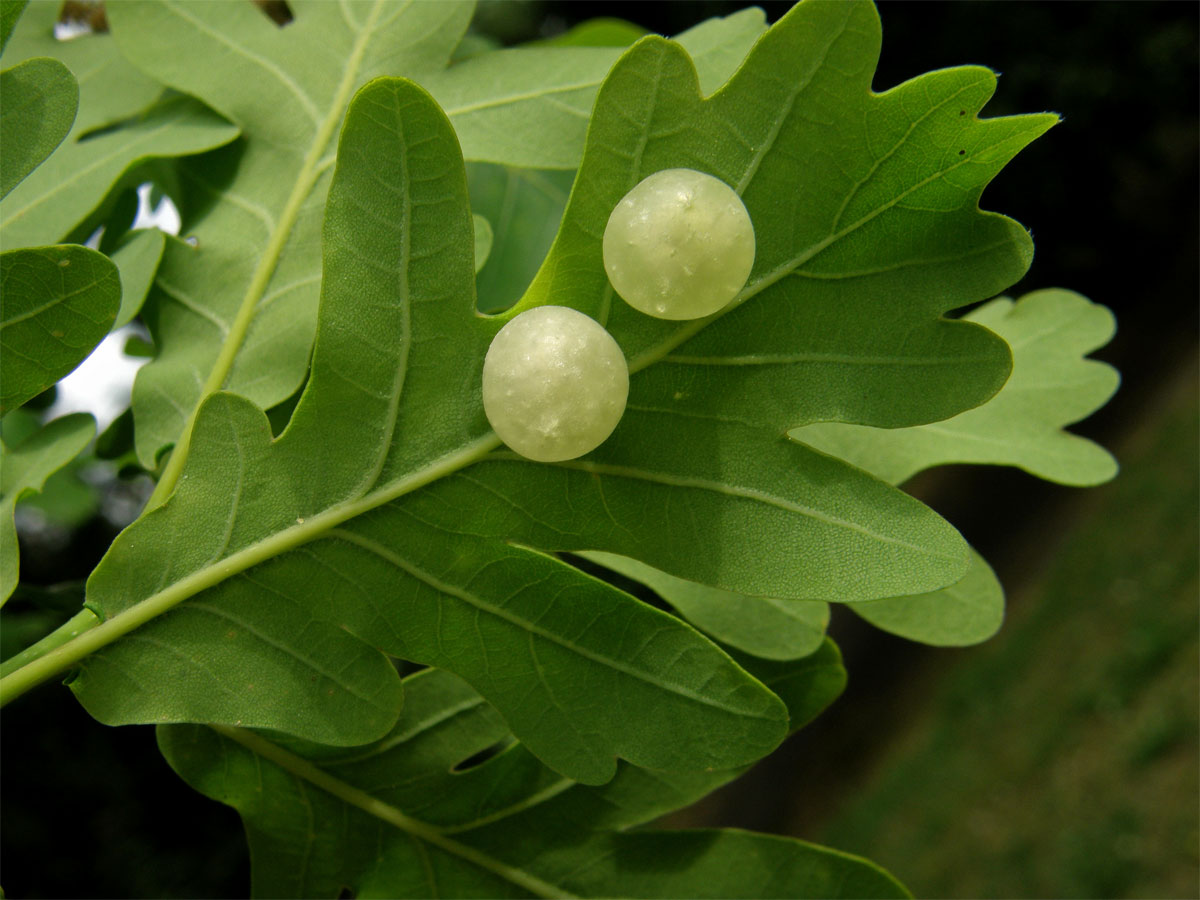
[1052,386]
[536,631]
[239,310]
[384,514]
[38,99]
[406,817]
[768,518]
[24,469]
[241,314]
[56,304]
[814,236]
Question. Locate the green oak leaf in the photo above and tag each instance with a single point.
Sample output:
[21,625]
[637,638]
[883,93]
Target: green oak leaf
[238,311]
[1052,386]
[962,614]
[110,89]
[137,257]
[866,217]
[405,818]
[38,99]
[56,304]
[385,518]
[808,339]
[762,627]
[123,121]
[600,32]
[24,468]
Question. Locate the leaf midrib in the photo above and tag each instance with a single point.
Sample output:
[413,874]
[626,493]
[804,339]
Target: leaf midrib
[532,629]
[744,493]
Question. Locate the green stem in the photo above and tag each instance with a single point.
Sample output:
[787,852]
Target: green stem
[84,620]
[347,793]
[74,649]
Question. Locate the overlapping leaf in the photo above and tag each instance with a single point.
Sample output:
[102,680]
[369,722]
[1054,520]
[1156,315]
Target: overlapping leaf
[240,314]
[403,818]
[10,12]
[38,99]
[121,122]
[24,468]
[761,626]
[238,311]
[524,207]
[56,304]
[962,614]
[866,218]
[355,525]
[859,250]
[1052,386]
[137,256]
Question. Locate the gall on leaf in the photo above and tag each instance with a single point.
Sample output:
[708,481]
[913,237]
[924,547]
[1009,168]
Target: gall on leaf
[554,384]
[680,245]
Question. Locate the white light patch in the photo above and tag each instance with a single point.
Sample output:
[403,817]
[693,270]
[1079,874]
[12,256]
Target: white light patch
[103,382]
[165,216]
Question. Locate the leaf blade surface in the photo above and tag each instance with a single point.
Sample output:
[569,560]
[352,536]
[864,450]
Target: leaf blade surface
[56,304]
[506,827]
[38,99]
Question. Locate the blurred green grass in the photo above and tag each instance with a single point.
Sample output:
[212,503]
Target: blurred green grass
[1060,760]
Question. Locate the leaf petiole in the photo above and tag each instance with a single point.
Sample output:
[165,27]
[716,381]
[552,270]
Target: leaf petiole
[56,659]
[84,620]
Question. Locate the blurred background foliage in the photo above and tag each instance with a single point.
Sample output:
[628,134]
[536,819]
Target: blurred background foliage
[1057,760]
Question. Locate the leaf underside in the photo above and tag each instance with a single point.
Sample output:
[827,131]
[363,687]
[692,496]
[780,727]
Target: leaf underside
[1052,386]
[56,304]
[124,121]
[38,99]
[405,818]
[385,518]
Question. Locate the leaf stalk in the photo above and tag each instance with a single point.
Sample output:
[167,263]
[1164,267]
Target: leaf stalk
[72,650]
[84,620]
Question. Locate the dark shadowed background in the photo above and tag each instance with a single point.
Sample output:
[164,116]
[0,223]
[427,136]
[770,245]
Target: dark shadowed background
[1060,758]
